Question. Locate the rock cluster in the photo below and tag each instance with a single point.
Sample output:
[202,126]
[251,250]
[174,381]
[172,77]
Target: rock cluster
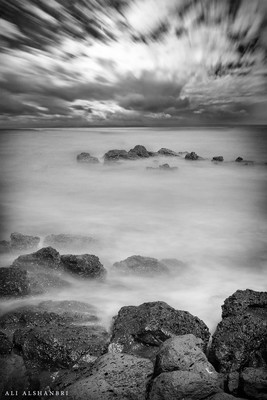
[19,242]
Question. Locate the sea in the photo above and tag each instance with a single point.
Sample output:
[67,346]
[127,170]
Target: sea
[211,217]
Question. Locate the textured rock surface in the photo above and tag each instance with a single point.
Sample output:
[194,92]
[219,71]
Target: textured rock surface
[5,344]
[168,153]
[139,152]
[84,265]
[254,383]
[140,265]
[46,257]
[218,158]
[192,156]
[14,282]
[114,376]
[18,241]
[115,155]
[64,241]
[223,396]
[13,376]
[87,158]
[141,330]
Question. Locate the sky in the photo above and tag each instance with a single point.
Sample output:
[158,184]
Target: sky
[132,62]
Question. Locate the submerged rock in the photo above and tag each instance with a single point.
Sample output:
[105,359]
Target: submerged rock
[65,241]
[46,257]
[141,266]
[168,153]
[84,265]
[14,282]
[18,241]
[218,158]
[166,167]
[240,340]
[139,152]
[87,158]
[141,330]
[114,377]
[192,156]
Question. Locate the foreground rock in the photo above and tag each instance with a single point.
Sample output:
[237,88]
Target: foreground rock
[13,376]
[84,265]
[114,376]
[5,247]
[168,153]
[14,282]
[141,266]
[240,341]
[87,158]
[141,330]
[65,241]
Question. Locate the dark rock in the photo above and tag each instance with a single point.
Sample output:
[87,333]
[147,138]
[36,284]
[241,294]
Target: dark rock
[166,167]
[13,376]
[60,346]
[218,158]
[115,155]
[84,265]
[64,241]
[240,340]
[254,383]
[168,153]
[114,376]
[14,282]
[184,385]
[46,257]
[223,396]
[139,151]
[141,330]
[152,154]
[192,156]
[5,246]
[5,344]
[23,242]
[239,159]
[141,265]
[87,158]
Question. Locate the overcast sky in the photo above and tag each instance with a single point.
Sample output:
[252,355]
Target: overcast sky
[145,62]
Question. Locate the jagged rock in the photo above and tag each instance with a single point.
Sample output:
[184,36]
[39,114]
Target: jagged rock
[239,159]
[60,346]
[139,151]
[87,158]
[140,265]
[141,330]
[184,385]
[254,383]
[114,376]
[5,344]
[240,340]
[168,153]
[5,246]
[84,265]
[218,158]
[65,241]
[115,155]
[192,156]
[14,282]
[46,257]
[23,242]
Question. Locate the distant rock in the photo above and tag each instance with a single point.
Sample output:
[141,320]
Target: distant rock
[14,282]
[239,159]
[46,257]
[66,241]
[192,156]
[5,247]
[115,155]
[168,153]
[141,266]
[141,330]
[139,152]
[114,377]
[218,158]
[5,344]
[240,339]
[84,265]
[23,242]
[153,153]
[87,158]
[166,167]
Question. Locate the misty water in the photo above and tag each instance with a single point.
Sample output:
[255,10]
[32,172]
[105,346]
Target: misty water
[212,217]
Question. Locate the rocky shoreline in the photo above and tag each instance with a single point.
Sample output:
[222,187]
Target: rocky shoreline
[59,349]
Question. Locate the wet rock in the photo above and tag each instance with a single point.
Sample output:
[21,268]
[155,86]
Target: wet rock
[60,346]
[192,156]
[141,330]
[240,340]
[168,153]
[114,376]
[65,241]
[87,158]
[223,396]
[239,159]
[14,282]
[139,152]
[218,158]
[254,383]
[115,155]
[23,242]
[184,385]
[5,247]
[5,344]
[84,265]
[13,376]
[166,167]
[140,265]
[46,257]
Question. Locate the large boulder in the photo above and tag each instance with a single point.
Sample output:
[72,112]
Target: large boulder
[140,265]
[87,158]
[141,330]
[168,153]
[20,242]
[14,282]
[47,258]
[240,340]
[66,241]
[115,155]
[114,377]
[84,265]
[139,152]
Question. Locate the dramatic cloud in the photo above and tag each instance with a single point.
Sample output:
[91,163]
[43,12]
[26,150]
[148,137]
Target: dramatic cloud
[86,62]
